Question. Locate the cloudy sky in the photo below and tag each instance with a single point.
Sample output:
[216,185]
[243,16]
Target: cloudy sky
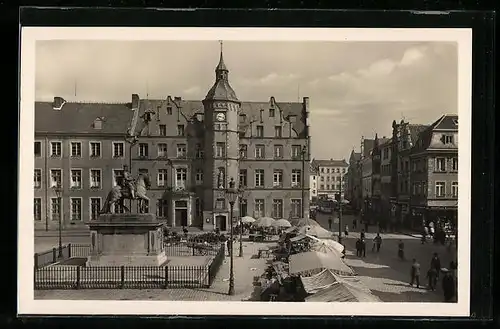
[356,89]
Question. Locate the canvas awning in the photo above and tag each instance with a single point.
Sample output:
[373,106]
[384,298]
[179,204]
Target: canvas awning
[315,283]
[316,231]
[313,262]
[343,292]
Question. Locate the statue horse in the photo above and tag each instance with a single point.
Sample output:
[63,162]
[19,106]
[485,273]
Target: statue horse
[118,194]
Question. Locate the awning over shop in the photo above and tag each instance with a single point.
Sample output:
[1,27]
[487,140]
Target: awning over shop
[313,262]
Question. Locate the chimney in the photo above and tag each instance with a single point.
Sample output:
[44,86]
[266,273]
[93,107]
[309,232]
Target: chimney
[58,103]
[177,99]
[135,101]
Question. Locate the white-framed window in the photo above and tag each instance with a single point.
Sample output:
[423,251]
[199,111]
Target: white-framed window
[243,178]
[76,149]
[278,178]
[278,132]
[243,151]
[278,151]
[55,208]
[118,149]
[199,176]
[260,151]
[143,150]
[162,150]
[296,177]
[454,164]
[95,178]
[37,179]
[277,208]
[440,189]
[56,149]
[296,208]
[259,208]
[95,149]
[76,179]
[454,189]
[163,130]
[95,207]
[448,139]
[38,149]
[55,178]
[162,177]
[76,209]
[37,209]
[199,151]
[117,176]
[220,150]
[162,208]
[180,130]
[181,151]
[440,164]
[259,177]
[296,151]
[260,131]
[180,178]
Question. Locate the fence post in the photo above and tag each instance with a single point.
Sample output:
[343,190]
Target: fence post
[36,260]
[69,250]
[166,277]
[122,276]
[54,257]
[34,278]
[78,277]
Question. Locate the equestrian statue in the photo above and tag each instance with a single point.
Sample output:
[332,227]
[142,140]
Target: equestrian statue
[130,189]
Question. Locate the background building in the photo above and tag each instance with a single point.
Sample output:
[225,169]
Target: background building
[313,182]
[385,180]
[354,188]
[80,148]
[331,175]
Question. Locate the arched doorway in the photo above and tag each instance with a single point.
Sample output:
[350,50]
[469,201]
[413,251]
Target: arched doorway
[220,222]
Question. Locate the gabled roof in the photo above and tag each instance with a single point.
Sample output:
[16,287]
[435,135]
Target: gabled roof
[368,146]
[355,156]
[447,122]
[423,133]
[78,118]
[331,163]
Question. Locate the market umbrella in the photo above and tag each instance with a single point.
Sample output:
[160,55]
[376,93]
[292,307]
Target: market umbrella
[313,262]
[264,222]
[316,231]
[281,223]
[247,220]
[326,246]
[344,291]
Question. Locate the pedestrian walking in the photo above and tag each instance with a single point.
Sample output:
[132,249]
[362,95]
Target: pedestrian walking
[330,222]
[448,285]
[432,278]
[346,230]
[358,248]
[436,264]
[373,244]
[415,273]
[363,247]
[378,241]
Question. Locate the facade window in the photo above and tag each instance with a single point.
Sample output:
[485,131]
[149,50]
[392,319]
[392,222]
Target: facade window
[454,164]
[243,207]
[322,187]
[55,178]
[296,152]
[76,149]
[162,150]
[414,189]
[271,113]
[259,210]
[278,132]
[162,208]
[181,151]
[338,178]
[95,149]
[163,130]
[259,177]
[278,151]
[260,131]
[169,110]
[278,178]
[220,204]
[199,151]
[454,189]
[296,208]
[55,149]
[440,164]
[243,178]
[162,177]
[322,178]
[37,209]
[260,151]
[448,139]
[322,170]
[343,170]
[243,151]
[55,208]
[220,150]
[76,178]
[95,178]
[38,149]
[37,179]
[424,188]
[277,208]
[117,176]
[180,178]
[199,176]
[242,118]
[180,130]
[95,208]
[296,177]
[440,189]
[143,150]
[119,149]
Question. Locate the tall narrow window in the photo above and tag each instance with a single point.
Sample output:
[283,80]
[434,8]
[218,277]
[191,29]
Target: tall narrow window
[118,149]
[199,176]
[95,178]
[162,150]
[277,208]
[163,130]
[162,177]
[454,189]
[440,189]
[162,208]
[181,151]
[243,178]
[37,209]
[180,178]
[243,151]
[278,132]
[278,151]
[95,149]
[143,150]
[296,208]
[260,151]
[76,149]
[220,150]
[55,178]
[454,164]
[76,178]
[180,130]
[259,178]
[440,164]
[38,149]
[95,208]
[117,176]
[37,182]
[278,178]
[296,177]
[259,210]
[199,151]
[260,131]
[55,208]
[243,207]
[56,149]
[296,152]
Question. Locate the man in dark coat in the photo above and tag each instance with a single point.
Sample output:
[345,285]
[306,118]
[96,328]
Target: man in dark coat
[448,286]
[436,265]
[362,234]
[431,276]
[358,248]
[378,241]
[415,273]
[363,248]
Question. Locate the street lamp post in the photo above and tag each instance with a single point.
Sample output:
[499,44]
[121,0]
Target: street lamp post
[232,196]
[240,192]
[59,199]
[303,185]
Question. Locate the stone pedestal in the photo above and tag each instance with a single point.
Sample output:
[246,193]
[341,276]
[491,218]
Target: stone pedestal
[126,239]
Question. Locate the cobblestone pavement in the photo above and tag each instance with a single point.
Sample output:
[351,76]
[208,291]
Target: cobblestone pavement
[245,268]
[386,275]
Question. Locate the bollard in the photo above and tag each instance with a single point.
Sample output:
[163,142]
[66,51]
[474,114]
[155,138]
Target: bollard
[69,250]
[36,261]
[54,255]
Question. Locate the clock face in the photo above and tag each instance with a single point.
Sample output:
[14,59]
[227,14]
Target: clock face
[220,116]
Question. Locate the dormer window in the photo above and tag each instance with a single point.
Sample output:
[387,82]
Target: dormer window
[455,121]
[447,139]
[98,123]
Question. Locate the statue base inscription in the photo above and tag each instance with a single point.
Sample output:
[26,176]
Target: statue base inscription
[126,239]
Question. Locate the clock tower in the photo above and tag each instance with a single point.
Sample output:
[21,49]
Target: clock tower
[221,154]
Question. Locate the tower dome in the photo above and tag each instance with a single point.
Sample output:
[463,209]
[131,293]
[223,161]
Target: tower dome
[221,90]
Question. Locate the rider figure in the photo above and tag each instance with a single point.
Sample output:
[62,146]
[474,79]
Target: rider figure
[128,181]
